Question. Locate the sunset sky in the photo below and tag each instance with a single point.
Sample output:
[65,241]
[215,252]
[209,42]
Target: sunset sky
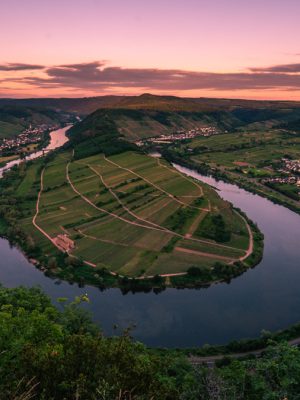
[212,48]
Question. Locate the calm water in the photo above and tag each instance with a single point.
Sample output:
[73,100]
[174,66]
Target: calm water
[57,139]
[267,297]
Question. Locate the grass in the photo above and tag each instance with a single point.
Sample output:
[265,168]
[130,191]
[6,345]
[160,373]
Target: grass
[5,160]
[131,215]
[260,151]
[8,130]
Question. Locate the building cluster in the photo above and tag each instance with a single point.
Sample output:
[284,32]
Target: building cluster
[64,243]
[292,170]
[180,134]
[292,180]
[28,136]
[290,166]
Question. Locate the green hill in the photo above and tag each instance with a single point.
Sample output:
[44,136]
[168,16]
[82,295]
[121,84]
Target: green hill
[14,118]
[87,105]
[80,106]
[147,115]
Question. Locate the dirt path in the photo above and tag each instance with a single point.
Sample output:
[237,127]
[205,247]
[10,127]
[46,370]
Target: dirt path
[102,209]
[250,246]
[102,240]
[136,223]
[154,185]
[182,175]
[124,206]
[196,223]
[37,211]
[208,255]
[195,360]
[249,250]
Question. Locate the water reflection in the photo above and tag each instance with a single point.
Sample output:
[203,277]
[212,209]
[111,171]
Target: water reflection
[57,139]
[266,297]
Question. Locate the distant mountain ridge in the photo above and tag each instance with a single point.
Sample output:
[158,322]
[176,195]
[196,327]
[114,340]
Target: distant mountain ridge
[87,105]
[138,117]
[15,118]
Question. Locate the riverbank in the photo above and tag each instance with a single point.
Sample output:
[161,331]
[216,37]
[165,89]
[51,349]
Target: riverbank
[73,268]
[266,297]
[69,334]
[217,173]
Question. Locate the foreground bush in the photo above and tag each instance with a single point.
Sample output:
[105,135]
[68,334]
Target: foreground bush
[62,355]
[48,354]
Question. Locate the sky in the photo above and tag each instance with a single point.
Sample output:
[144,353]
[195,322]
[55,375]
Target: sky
[196,48]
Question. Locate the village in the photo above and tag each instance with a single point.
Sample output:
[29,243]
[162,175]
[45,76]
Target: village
[291,168]
[292,180]
[28,136]
[180,134]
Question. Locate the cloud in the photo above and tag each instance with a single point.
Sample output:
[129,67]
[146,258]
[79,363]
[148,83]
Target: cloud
[20,67]
[96,76]
[285,68]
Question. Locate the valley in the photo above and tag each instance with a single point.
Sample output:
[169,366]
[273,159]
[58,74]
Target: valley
[263,162]
[103,211]
[130,215]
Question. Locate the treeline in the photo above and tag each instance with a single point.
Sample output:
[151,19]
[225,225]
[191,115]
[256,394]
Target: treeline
[48,354]
[172,155]
[213,227]
[96,134]
[291,126]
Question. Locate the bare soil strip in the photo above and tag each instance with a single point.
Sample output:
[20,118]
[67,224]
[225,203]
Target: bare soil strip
[208,255]
[156,186]
[196,360]
[37,211]
[154,227]
[182,175]
[124,206]
[250,246]
[102,209]
[196,222]
[161,229]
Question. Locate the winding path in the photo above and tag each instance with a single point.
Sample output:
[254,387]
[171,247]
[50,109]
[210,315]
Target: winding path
[211,360]
[102,209]
[154,185]
[37,211]
[153,227]
[159,228]
[124,206]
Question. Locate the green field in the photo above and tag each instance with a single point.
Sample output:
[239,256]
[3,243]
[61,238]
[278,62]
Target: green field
[247,158]
[8,130]
[129,213]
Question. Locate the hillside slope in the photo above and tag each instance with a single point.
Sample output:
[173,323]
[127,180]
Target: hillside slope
[147,116]
[14,119]
[87,105]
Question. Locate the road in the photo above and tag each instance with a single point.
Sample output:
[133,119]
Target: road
[210,360]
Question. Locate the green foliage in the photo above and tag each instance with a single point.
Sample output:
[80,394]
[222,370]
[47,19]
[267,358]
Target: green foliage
[214,227]
[271,377]
[96,134]
[49,354]
[179,219]
[15,118]
[62,355]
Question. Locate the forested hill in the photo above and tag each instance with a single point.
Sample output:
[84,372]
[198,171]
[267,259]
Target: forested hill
[80,106]
[14,119]
[97,133]
[48,354]
[138,117]
[87,105]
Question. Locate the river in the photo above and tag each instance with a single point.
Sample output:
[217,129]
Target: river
[57,139]
[267,297]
